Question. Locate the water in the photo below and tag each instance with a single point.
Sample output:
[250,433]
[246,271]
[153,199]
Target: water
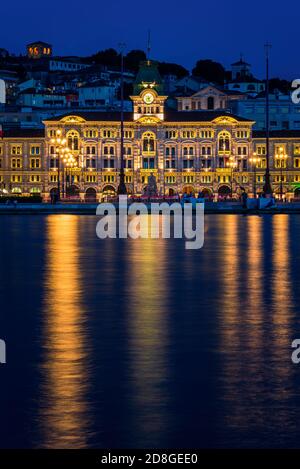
[140,343]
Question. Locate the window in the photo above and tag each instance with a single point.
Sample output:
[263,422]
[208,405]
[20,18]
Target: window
[16,178]
[127,150]
[188,151]
[296,149]
[148,142]
[242,150]
[171,134]
[35,178]
[206,150]
[91,150]
[16,163]
[297,163]
[224,142]
[205,134]
[73,140]
[90,163]
[91,133]
[188,134]
[242,134]
[16,150]
[188,164]
[188,179]
[35,163]
[108,133]
[211,103]
[128,134]
[261,149]
[170,179]
[91,178]
[109,163]
[109,150]
[35,150]
[148,163]
[170,151]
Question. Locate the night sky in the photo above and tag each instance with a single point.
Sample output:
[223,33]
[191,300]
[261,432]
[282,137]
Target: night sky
[182,32]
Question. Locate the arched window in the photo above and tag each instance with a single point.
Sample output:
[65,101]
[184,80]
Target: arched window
[224,142]
[148,142]
[73,140]
[211,103]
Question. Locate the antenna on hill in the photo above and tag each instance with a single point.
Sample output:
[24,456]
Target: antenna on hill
[148,46]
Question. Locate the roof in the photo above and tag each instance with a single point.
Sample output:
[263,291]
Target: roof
[277,134]
[24,133]
[170,116]
[42,43]
[240,62]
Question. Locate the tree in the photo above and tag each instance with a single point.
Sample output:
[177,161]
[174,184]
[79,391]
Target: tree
[108,57]
[278,84]
[166,68]
[133,59]
[210,71]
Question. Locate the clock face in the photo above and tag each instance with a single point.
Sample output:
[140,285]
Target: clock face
[148,98]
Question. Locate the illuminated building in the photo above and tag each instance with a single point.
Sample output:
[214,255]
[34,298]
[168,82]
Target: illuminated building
[208,152]
[38,50]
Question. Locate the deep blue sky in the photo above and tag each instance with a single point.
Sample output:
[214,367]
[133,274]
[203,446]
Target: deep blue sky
[181,31]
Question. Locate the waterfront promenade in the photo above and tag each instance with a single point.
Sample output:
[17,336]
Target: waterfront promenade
[86,208]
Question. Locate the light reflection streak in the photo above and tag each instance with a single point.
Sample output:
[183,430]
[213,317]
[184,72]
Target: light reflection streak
[64,411]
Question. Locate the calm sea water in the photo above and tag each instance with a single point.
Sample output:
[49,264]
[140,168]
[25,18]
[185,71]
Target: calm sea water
[140,343]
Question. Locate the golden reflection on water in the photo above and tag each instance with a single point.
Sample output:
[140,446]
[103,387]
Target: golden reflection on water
[63,413]
[148,331]
[255,336]
[281,301]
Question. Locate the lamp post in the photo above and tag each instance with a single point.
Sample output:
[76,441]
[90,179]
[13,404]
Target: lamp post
[254,160]
[231,164]
[267,186]
[69,163]
[122,186]
[281,157]
[60,149]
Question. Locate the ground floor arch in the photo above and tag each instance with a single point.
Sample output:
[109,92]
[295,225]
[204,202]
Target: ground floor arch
[188,190]
[16,190]
[108,191]
[224,191]
[297,193]
[206,193]
[91,195]
[72,191]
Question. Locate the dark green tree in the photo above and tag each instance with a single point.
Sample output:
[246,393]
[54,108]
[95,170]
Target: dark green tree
[210,71]
[133,59]
[166,68]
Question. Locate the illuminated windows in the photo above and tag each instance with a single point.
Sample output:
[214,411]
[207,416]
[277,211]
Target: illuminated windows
[148,142]
[16,163]
[224,142]
[16,149]
[73,140]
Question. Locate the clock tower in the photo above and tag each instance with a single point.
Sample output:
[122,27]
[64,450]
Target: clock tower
[149,99]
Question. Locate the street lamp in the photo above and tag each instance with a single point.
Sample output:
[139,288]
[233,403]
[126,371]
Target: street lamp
[281,157]
[122,190]
[60,149]
[254,161]
[69,163]
[231,164]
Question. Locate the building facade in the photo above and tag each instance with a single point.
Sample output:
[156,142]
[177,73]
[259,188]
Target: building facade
[206,152]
